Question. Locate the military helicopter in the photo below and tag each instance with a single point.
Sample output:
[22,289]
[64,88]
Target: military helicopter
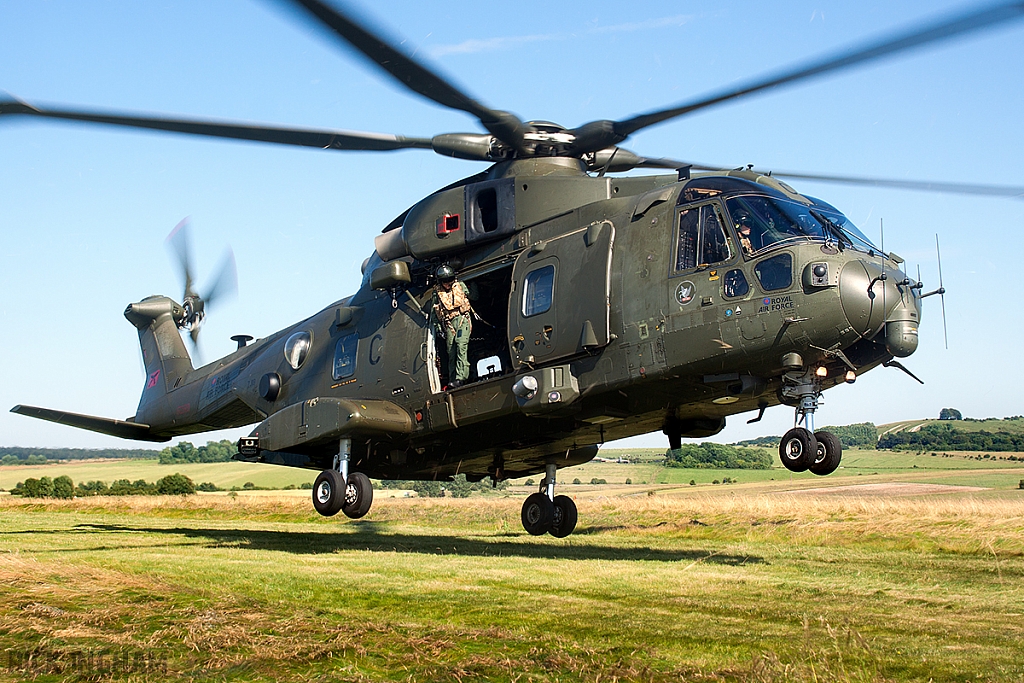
[616,305]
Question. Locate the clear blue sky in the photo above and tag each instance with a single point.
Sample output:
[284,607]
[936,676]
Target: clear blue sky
[84,210]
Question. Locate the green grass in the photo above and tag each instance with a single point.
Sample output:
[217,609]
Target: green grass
[757,585]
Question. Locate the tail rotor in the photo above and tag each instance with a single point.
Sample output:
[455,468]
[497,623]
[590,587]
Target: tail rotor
[225,282]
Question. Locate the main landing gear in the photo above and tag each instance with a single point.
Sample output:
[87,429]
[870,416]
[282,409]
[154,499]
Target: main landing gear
[336,490]
[802,448]
[546,513]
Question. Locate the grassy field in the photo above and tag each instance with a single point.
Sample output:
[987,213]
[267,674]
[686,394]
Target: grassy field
[940,468]
[747,582]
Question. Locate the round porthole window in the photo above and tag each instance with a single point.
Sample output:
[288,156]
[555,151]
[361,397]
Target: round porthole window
[296,348]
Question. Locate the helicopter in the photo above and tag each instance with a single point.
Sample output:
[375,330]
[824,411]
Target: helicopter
[616,306]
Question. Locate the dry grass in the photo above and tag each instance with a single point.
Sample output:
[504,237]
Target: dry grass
[763,587]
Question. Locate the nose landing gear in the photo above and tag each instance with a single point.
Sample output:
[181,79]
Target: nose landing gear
[545,513]
[802,448]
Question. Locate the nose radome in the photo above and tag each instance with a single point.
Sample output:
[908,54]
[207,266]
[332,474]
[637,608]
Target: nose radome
[863,310]
[868,303]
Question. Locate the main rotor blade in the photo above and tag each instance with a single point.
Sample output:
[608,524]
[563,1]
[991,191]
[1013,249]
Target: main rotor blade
[600,134]
[339,140]
[414,75]
[920,185]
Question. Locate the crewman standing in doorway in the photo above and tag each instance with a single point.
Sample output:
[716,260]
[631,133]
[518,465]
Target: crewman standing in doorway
[450,312]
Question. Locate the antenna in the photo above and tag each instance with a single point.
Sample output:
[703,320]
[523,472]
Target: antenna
[941,291]
[881,276]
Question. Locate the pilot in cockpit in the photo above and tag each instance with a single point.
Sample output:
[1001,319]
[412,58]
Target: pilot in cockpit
[743,228]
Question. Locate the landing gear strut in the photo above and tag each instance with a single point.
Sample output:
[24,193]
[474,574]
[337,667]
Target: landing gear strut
[335,490]
[802,448]
[546,513]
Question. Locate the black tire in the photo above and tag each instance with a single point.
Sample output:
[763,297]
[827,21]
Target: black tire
[830,453]
[538,513]
[328,493]
[358,495]
[798,449]
[564,521]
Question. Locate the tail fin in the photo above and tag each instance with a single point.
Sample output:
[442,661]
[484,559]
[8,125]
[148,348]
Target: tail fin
[163,353]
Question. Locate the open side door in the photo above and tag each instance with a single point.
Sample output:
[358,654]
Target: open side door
[560,296]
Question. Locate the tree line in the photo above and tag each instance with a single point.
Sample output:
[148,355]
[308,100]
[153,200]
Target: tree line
[63,487]
[945,437]
[16,455]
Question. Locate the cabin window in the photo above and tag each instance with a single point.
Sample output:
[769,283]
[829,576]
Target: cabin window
[735,283]
[538,290]
[702,240]
[345,356]
[297,348]
[775,272]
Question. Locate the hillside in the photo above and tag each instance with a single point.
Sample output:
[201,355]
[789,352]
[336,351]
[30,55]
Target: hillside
[1011,425]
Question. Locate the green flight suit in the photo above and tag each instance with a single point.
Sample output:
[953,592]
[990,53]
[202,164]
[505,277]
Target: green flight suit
[456,337]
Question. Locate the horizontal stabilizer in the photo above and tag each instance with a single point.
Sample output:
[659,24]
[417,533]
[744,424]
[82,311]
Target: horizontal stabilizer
[103,425]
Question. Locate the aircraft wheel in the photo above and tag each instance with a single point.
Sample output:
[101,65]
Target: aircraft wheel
[538,513]
[564,521]
[798,449]
[328,493]
[830,452]
[358,495]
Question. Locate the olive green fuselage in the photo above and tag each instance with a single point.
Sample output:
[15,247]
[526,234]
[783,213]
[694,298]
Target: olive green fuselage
[582,283]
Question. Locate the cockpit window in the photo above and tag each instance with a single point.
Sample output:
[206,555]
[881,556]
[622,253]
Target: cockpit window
[765,221]
[702,238]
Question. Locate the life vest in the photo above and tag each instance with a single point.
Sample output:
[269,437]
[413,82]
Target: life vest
[455,302]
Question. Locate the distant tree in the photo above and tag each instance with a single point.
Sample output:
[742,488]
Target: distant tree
[91,488]
[28,488]
[63,487]
[860,434]
[45,487]
[427,489]
[693,482]
[718,456]
[629,481]
[175,484]
[577,481]
[950,414]
[185,452]
[459,487]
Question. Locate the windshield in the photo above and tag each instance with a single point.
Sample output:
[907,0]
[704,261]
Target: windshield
[856,238]
[765,221]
